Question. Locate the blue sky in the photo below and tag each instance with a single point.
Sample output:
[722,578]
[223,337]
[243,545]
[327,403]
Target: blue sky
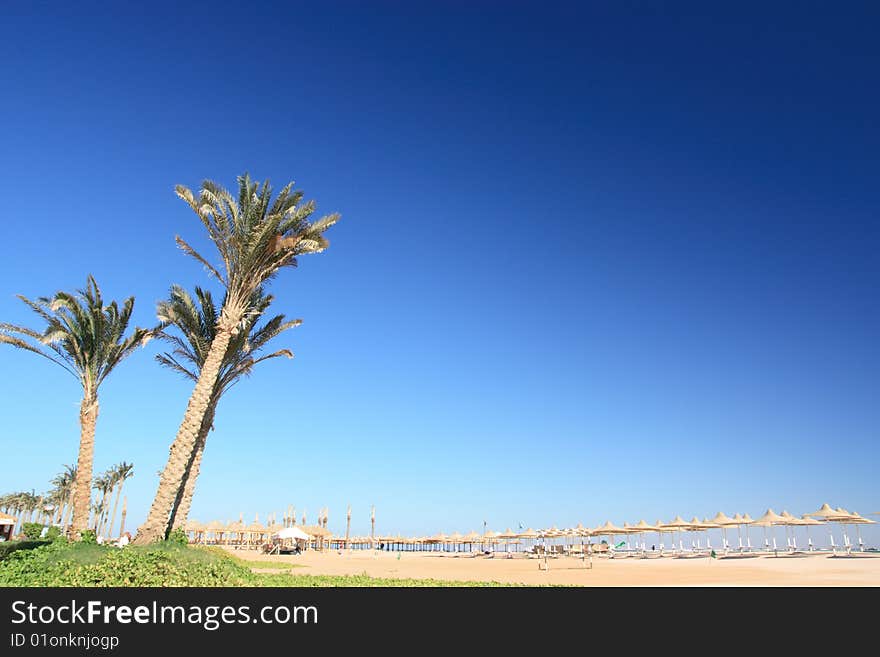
[609,261]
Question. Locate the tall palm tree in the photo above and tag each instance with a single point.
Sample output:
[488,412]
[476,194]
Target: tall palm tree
[121,472]
[255,238]
[196,320]
[86,338]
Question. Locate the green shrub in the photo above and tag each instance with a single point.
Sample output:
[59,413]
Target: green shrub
[32,530]
[88,536]
[53,533]
[178,537]
[9,547]
[59,564]
[161,564]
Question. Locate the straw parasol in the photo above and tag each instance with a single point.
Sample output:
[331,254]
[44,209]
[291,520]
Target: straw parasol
[195,528]
[809,522]
[769,519]
[792,522]
[470,538]
[256,528]
[858,520]
[236,527]
[724,521]
[660,529]
[678,524]
[216,528]
[490,537]
[741,520]
[704,525]
[826,513]
[529,535]
[747,521]
[610,530]
[507,535]
[641,528]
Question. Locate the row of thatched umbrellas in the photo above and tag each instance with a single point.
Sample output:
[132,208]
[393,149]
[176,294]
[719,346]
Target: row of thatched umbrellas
[237,533]
[677,526]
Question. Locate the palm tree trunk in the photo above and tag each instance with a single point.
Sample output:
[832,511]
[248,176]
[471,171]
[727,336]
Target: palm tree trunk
[102,513]
[156,525]
[82,492]
[68,510]
[184,499]
[122,517]
[115,504]
[99,513]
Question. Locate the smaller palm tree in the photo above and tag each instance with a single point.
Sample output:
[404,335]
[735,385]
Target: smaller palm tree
[103,484]
[62,490]
[196,321]
[85,337]
[121,472]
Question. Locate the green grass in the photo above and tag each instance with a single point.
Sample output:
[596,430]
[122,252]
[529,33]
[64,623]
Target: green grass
[167,564]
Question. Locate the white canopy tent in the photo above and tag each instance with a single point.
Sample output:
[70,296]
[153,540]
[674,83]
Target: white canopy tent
[292,532]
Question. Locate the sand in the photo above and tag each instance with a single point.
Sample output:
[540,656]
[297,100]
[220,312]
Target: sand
[796,570]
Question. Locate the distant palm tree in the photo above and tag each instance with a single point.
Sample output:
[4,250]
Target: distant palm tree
[86,338]
[62,492]
[104,485]
[196,321]
[121,472]
[26,504]
[255,238]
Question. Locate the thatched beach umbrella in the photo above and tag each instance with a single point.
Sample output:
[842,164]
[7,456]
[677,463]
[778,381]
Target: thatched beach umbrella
[704,525]
[844,518]
[828,514]
[807,523]
[216,528]
[740,520]
[724,521]
[506,536]
[642,528]
[491,538]
[792,521]
[611,530]
[661,529]
[196,529]
[255,531]
[677,524]
[529,535]
[770,519]
[858,520]
[236,529]
[441,539]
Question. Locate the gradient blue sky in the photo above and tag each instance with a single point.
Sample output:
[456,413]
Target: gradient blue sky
[615,261]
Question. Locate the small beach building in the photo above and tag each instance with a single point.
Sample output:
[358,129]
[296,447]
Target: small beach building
[7,524]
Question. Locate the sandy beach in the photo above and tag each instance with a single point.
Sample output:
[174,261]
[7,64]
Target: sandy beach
[797,570]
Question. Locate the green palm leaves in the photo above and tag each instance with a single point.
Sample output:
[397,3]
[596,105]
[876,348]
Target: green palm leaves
[81,334]
[87,338]
[255,237]
[196,321]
